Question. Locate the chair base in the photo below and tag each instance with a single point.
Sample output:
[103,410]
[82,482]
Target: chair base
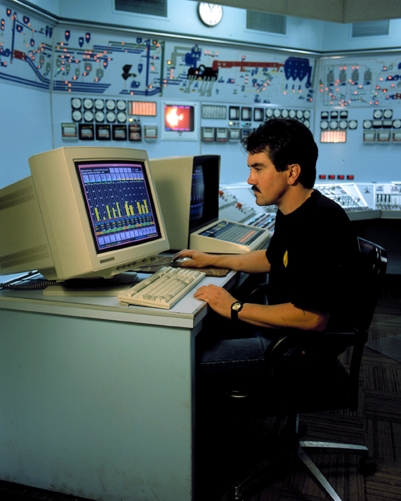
[254,477]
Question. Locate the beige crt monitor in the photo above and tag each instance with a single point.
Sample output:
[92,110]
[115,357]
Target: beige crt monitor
[84,212]
[188,189]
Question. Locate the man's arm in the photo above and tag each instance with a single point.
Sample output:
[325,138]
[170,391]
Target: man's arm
[277,316]
[249,262]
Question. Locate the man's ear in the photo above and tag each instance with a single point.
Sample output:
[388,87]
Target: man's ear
[294,171]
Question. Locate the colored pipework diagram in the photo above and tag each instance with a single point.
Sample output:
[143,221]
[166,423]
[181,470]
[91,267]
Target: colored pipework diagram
[217,75]
[127,68]
[369,82]
[25,50]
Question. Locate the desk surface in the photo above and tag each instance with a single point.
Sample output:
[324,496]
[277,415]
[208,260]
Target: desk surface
[187,313]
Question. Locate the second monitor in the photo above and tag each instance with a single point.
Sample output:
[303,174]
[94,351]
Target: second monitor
[188,190]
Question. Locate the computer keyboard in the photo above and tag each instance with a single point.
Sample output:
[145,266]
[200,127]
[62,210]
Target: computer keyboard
[163,289]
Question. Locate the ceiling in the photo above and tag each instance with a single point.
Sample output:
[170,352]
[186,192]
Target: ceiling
[340,11]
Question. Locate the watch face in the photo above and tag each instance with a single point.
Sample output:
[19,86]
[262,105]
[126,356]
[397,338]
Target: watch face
[210,14]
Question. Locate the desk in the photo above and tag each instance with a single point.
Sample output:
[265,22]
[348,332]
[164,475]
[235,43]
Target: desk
[97,400]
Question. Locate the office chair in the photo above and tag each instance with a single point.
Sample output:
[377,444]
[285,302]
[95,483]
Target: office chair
[306,385]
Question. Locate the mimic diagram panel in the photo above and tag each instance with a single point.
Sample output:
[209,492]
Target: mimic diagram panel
[102,63]
[25,49]
[361,81]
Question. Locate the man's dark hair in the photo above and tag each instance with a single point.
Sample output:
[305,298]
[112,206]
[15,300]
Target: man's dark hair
[286,142]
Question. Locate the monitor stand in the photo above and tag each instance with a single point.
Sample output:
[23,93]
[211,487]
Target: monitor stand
[93,286]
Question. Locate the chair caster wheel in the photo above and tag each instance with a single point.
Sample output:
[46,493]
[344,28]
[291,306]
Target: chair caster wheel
[367,466]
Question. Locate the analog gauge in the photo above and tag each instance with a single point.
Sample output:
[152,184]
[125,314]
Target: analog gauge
[269,112]
[388,113]
[110,104]
[292,114]
[121,105]
[306,123]
[76,115]
[99,104]
[353,124]
[121,116]
[99,116]
[284,113]
[88,116]
[307,114]
[377,114]
[367,124]
[397,123]
[300,114]
[88,103]
[343,124]
[76,102]
[277,113]
[324,124]
[111,116]
[333,124]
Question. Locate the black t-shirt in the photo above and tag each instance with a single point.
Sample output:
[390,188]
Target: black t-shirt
[312,254]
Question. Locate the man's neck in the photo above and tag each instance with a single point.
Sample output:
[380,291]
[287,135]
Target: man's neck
[296,196]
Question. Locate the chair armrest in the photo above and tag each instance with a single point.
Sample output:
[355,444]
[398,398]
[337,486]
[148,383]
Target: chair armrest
[308,341]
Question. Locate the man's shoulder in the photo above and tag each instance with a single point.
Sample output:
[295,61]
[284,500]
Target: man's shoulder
[324,202]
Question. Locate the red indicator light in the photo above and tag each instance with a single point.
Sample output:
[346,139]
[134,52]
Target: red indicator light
[350,177]
[341,176]
[322,176]
[332,176]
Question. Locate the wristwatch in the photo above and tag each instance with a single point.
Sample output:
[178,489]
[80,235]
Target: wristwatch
[235,309]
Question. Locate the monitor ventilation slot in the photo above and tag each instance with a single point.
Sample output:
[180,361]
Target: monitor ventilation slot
[150,7]
[269,23]
[371,29]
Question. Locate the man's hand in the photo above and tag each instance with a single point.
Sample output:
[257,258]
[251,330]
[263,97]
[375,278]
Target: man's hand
[197,259]
[218,298]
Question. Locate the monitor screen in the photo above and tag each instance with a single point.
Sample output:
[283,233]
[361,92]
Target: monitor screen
[178,117]
[180,121]
[118,202]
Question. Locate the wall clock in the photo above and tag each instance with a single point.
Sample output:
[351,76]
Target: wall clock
[210,14]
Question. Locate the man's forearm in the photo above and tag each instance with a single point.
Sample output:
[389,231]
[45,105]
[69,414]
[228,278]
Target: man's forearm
[250,262]
[282,316]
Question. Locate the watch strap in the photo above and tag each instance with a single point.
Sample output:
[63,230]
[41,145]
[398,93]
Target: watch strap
[236,307]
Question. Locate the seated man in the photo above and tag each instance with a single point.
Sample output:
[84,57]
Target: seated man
[310,257]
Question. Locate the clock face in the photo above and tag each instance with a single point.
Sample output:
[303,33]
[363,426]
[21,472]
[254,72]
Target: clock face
[210,14]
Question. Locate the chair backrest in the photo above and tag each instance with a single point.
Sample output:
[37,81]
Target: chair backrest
[372,267]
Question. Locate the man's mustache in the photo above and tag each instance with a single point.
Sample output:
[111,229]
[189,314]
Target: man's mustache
[255,188]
